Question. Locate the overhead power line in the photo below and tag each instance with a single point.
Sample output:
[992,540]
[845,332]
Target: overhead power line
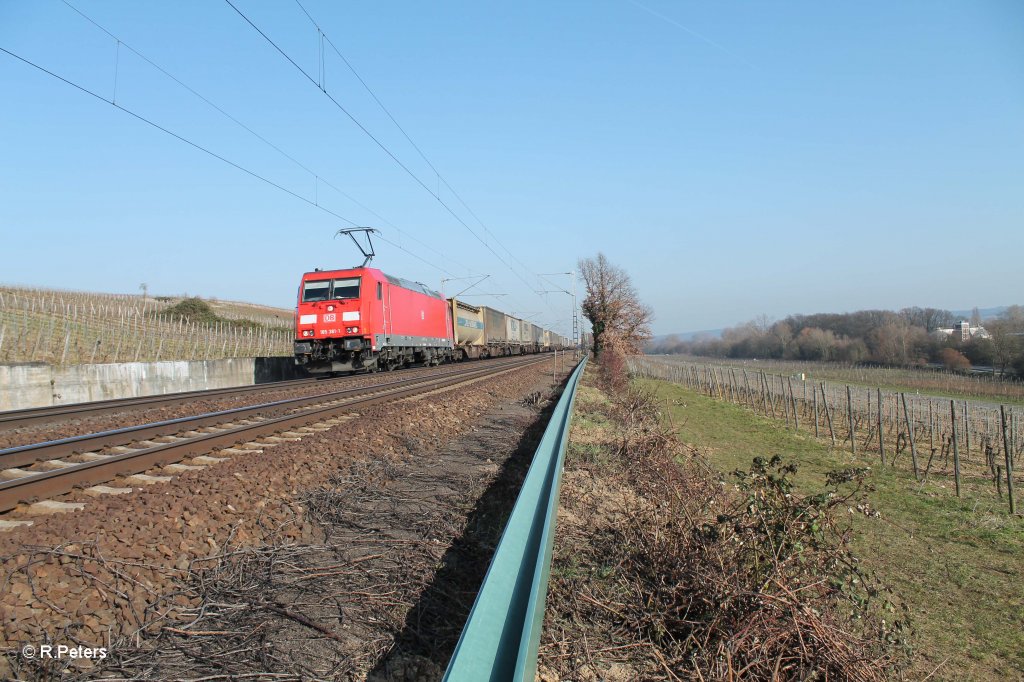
[200,147]
[319,85]
[324,37]
[318,178]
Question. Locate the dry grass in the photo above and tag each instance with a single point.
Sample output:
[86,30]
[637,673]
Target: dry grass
[980,448]
[955,561]
[663,571]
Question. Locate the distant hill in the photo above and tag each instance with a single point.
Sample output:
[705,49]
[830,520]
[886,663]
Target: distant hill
[986,313]
[689,336]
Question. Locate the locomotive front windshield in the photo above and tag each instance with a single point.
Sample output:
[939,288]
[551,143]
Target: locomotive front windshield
[318,290]
[330,290]
[346,288]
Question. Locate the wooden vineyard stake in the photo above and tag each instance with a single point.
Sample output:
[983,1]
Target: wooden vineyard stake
[849,418]
[828,414]
[967,433]
[1008,459]
[910,435]
[815,395]
[931,427]
[881,434]
[792,398]
[956,448]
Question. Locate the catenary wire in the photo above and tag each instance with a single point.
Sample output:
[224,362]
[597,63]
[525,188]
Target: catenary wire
[323,36]
[383,147]
[201,148]
[318,177]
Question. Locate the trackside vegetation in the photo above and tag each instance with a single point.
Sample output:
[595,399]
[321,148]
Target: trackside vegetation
[955,564]
[667,567]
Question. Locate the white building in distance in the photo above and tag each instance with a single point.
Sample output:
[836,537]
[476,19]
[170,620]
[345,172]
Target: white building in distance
[963,331]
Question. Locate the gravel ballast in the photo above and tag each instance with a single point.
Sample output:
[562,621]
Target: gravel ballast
[119,570]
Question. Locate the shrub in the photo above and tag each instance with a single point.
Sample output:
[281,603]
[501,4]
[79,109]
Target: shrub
[745,582]
[193,310]
[954,359]
[612,369]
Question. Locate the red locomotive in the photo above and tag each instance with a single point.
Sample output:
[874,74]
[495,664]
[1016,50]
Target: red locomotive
[363,319]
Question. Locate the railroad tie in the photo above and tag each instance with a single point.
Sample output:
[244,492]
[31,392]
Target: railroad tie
[179,468]
[10,524]
[54,464]
[206,459]
[53,507]
[14,473]
[239,451]
[92,456]
[97,490]
[146,479]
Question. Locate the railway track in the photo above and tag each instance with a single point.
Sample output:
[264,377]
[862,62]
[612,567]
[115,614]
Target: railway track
[55,414]
[45,470]
[16,419]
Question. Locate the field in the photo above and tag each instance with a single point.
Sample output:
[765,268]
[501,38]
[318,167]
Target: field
[931,381]
[951,443]
[955,561]
[64,327]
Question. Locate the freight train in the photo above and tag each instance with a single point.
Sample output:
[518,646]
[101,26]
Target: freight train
[363,319]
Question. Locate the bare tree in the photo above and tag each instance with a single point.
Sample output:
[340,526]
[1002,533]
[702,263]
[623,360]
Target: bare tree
[928,318]
[613,307]
[1007,337]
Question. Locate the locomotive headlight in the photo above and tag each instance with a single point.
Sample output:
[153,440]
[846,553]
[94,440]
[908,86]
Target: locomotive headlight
[330,308]
[355,330]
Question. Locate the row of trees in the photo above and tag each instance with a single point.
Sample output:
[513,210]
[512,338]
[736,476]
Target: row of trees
[907,337]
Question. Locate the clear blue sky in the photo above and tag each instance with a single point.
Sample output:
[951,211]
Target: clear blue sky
[737,158]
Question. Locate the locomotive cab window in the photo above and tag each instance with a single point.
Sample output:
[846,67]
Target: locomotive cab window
[316,290]
[380,289]
[346,288]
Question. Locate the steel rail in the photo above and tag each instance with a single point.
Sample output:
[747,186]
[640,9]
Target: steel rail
[14,419]
[44,484]
[24,455]
[502,635]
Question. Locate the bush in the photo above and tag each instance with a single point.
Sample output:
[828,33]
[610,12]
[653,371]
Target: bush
[954,359]
[193,310]
[199,311]
[746,582]
[980,351]
[612,369]
[767,583]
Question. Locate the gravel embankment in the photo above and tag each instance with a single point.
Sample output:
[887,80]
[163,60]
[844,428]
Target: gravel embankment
[43,432]
[116,570]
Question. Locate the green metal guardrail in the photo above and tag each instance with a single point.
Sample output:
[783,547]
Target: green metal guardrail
[502,634]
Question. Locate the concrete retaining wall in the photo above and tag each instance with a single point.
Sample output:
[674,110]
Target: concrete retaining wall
[27,385]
